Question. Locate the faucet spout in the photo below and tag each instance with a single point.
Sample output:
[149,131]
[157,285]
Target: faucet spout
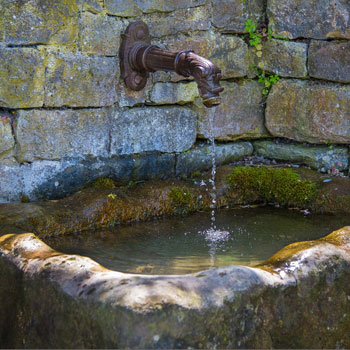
[139,58]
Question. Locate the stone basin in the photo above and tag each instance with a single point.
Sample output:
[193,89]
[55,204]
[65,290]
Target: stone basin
[298,298]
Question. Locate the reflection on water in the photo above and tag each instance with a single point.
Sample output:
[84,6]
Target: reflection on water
[182,245]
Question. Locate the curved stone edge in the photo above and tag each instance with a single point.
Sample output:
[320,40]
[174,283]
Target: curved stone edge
[230,306]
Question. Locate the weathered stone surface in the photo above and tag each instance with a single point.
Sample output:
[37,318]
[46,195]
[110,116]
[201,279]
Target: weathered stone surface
[317,19]
[7,140]
[80,297]
[131,98]
[133,8]
[57,134]
[330,61]
[308,111]
[199,158]
[322,158]
[99,34]
[79,81]
[149,6]
[240,114]
[21,78]
[122,8]
[168,24]
[93,6]
[171,93]
[229,53]
[56,179]
[39,22]
[230,15]
[167,129]
[285,58]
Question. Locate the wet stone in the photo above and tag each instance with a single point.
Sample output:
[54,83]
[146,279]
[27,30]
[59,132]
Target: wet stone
[330,61]
[309,111]
[230,15]
[199,158]
[57,134]
[321,157]
[168,129]
[317,19]
[240,114]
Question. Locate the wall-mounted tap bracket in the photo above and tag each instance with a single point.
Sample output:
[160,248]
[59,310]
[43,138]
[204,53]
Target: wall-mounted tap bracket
[136,35]
[138,57]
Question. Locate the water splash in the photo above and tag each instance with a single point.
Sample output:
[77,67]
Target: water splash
[213,235]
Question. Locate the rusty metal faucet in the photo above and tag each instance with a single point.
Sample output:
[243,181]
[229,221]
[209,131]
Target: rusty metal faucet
[138,57]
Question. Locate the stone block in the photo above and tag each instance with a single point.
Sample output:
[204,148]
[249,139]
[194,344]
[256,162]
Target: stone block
[22,78]
[173,93]
[57,134]
[199,158]
[229,53]
[79,81]
[330,61]
[7,141]
[122,8]
[164,129]
[322,158]
[317,19]
[286,58]
[180,21]
[309,111]
[240,114]
[149,6]
[11,180]
[131,98]
[99,34]
[39,22]
[229,16]
[93,6]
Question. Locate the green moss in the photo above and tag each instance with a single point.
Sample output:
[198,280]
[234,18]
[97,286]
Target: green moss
[281,186]
[182,199]
[103,182]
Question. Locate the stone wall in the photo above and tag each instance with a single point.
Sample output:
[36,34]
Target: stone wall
[67,118]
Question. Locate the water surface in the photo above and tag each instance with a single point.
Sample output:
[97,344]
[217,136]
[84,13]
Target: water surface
[179,245]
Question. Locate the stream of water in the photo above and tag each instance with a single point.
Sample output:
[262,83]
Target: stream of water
[213,235]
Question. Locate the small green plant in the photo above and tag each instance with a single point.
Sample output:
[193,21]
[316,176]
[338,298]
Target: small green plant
[330,146]
[112,196]
[181,198]
[268,185]
[257,40]
[266,80]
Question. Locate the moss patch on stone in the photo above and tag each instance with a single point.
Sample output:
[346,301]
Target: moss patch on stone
[182,200]
[280,186]
[103,182]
